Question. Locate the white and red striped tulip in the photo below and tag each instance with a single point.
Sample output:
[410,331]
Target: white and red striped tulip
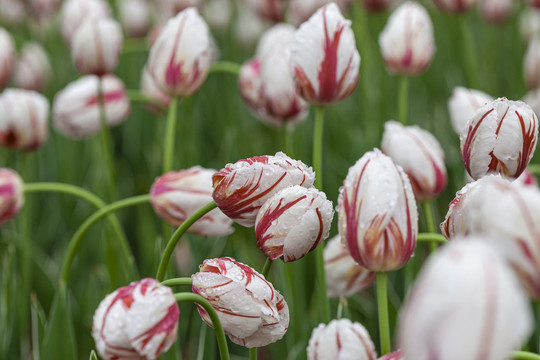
[293,222]
[24,119]
[7,57]
[240,189]
[301,10]
[154,92]
[252,312]
[420,155]
[11,194]
[76,110]
[181,56]
[176,195]
[75,12]
[324,57]
[531,63]
[134,15]
[465,304]
[455,6]
[495,11]
[501,138]
[136,321]
[407,42]
[33,68]
[344,277]
[378,219]
[396,355]
[341,339]
[463,104]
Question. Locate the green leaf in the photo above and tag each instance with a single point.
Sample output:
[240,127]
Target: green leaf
[93,355]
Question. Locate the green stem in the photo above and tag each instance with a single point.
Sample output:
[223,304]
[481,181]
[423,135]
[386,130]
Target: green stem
[469,51]
[216,323]
[138,96]
[178,282]
[253,353]
[95,217]
[382,307]
[106,142]
[431,237]
[177,235]
[228,67]
[170,135]
[524,355]
[430,222]
[266,268]
[403,105]
[132,46]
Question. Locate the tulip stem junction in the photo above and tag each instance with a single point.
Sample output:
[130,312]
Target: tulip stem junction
[225,67]
[178,234]
[170,135]
[524,355]
[430,222]
[403,104]
[382,308]
[106,142]
[178,282]
[431,237]
[218,328]
[95,217]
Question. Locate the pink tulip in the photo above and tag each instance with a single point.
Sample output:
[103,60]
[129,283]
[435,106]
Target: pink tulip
[11,194]
[396,355]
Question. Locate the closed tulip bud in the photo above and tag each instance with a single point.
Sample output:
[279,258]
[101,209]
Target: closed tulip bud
[33,68]
[420,156]
[501,137]
[496,11]
[251,311]
[396,355]
[181,55]
[378,220]
[344,277]
[24,116]
[463,104]
[240,189]
[301,10]
[455,6]
[176,195]
[407,43]
[76,108]
[7,57]
[11,194]
[134,16]
[76,12]
[150,89]
[324,57]
[136,321]
[465,304]
[341,339]
[293,222]
[531,63]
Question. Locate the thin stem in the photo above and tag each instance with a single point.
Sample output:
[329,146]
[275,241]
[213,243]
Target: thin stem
[403,105]
[469,51]
[524,355]
[216,323]
[138,96]
[266,268]
[95,217]
[177,282]
[253,353]
[431,237]
[170,135]
[228,67]
[430,222]
[106,142]
[382,307]
[177,235]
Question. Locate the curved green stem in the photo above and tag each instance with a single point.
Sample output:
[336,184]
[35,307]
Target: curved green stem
[178,282]
[524,355]
[138,96]
[382,308]
[228,67]
[403,105]
[77,237]
[177,235]
[106,142]
[170,135]
[431,237]
[216,323]
[266,268]
[430,222]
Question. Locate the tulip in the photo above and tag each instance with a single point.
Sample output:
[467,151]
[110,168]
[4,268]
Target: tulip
[529,23]
[12,12]
[248,27]
[152,91]
[11,194]
[396,355]
[181,55]
[501,137]
[293,222]
[301,10]
[420,155]
[324,57]
[24,118]
[7,57]
[134,16]
[454,6]
[532,98]
[251,311]
[407,43]
[240,189]
[344,277]
[272,10]
[377,5]
[463,105]
[176,195]
[76,110]
[466,304]
[531,63]
[495,11]
[217,13]
[75,12]
[341,339]
[33,68]
[378,220]
[136,321]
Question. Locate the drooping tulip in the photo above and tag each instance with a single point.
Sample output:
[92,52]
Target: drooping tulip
[11,194]
[251,311]
[33,69]
[324,57]
[176,195]
[240,189]
[455,6]
[75,12]
[136,321]
[407,42]
[465,304]
[134,15]
[341,339]
[501,137]
[7,57]
[378,219]
[463,104]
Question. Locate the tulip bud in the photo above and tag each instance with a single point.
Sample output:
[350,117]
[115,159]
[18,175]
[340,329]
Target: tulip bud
[344,277]
[495,11]
[531,63]
[455,6]
[465,304]
[420,156]
[341,339]
[24,118]
[396,355]
[11,194]
[407,43]
[501,137]
[240,189]
[463,105]
[300,11]
[293,222]
[150,89]
[324,57]
[251,311]
[33,68]
[378,219]
[76,108]
[134,16]
[176,195]
[7,57]
[75,12]
[181,55]
[136,321]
